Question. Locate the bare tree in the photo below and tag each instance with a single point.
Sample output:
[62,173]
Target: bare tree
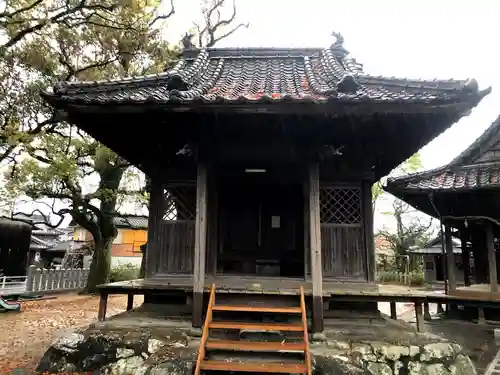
[215,26]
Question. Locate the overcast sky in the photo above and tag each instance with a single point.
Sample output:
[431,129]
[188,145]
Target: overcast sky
[410,38]
[417,39]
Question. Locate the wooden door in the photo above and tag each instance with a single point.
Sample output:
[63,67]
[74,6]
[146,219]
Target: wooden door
[262,230]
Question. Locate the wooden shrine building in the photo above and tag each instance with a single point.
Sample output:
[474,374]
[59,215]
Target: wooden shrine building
[465,195]
[262,160]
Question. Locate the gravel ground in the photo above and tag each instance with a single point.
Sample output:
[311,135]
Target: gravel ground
[25,336]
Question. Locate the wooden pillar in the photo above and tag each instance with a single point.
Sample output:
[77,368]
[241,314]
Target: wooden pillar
[315,248]
[367,205]
[492,259]
[450,259]
[200,245]
[478,240]
[307,231]
[427,313]
[130,301]
[156,206]
[419,316]
[103,304]
[440,309]
[465,258]
[213,227]
[394,314]
[480,316]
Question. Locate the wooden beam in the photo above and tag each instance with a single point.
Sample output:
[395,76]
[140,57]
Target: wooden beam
[200,245]
[156,206]
[315,248]
[492,258]
[450,259]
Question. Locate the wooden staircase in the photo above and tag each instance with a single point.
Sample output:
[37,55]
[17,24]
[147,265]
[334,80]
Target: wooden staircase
[275,350]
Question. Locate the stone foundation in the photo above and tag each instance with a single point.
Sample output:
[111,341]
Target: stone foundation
[173,351]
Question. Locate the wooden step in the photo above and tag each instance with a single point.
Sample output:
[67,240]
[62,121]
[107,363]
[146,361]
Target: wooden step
[273,367]
[256,346]
[256,326]
[263,309]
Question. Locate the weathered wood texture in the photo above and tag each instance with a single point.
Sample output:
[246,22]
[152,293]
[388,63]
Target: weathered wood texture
[200,245]
[343,242]
[450,259]
[176,244]
[369,243]
[342,251]
[492,258]
[155,217]
[316,249]
[171,229]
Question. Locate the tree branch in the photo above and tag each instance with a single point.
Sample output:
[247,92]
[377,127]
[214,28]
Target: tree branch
[164,16]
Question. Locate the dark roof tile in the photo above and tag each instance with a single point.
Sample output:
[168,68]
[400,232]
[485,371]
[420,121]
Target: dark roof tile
[459,174]
[264,75]
[449,178]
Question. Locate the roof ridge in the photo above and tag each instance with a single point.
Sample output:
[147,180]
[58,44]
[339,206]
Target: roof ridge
[484,138]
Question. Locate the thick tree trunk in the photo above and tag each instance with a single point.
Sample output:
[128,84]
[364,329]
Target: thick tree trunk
[100,266]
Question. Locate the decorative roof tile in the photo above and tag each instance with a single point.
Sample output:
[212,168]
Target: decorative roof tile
[264,75]
[459,174]
[449,178]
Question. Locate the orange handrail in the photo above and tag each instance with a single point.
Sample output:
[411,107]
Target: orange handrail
[204,334]
[306,335]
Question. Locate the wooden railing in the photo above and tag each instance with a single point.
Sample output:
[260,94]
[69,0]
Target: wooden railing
[306,334]
[204,335]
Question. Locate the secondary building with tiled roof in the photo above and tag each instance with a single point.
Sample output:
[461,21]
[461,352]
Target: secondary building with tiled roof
[464,195]
[471,179]
[261,161]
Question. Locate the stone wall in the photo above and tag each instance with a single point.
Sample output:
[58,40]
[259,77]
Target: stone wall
[173,351]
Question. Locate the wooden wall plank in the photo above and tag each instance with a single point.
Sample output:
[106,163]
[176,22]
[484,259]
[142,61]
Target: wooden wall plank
[343,251]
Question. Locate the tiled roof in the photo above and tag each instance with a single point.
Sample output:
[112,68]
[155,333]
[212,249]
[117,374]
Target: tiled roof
[127,221]
[450,178]
[260,75]
[459,174]
[483,139]
[134,222]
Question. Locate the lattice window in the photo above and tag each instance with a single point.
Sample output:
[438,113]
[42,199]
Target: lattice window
[339,205]
[180,203]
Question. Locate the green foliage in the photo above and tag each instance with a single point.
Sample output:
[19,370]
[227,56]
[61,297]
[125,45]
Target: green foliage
[417,278]
[50,41]
[124,272]
[410,165]
[414,278]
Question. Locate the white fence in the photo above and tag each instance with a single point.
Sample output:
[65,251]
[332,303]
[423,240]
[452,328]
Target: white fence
[12,284]
[51,280]
[42,280]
